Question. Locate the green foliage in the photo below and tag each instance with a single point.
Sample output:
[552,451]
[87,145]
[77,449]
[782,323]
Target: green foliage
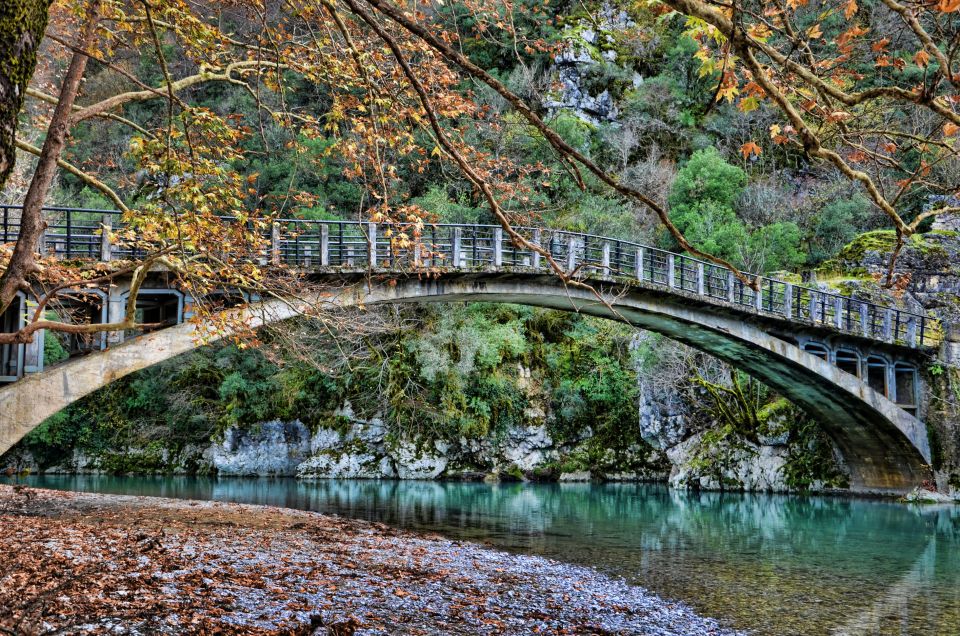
[706,178]
[438,202]
[53,350]
[777,247]
[702,206]
[836,225]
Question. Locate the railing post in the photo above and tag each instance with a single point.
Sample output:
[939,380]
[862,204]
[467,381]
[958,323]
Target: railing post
[307,256]
[912,331]
[106,249]
[758,298]
[788,300]
[700,280]
[275,244]
[838,312]
[416,252]
[372,244]
[455,246]
[497,247]
[571,253]
[324,245]
[536,255]
[671,274]
[605,260]
[865,319]
[638,263]
[813,306]
[731,294]
[887,324]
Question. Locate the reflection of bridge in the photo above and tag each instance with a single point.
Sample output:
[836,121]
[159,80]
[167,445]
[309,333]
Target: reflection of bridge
[850,362]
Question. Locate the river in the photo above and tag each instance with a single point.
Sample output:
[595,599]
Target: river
[771,563]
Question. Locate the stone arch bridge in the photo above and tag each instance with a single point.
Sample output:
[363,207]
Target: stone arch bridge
[851,363]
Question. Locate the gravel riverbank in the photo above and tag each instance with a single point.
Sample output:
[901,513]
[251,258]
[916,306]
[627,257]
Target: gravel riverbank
[91,563]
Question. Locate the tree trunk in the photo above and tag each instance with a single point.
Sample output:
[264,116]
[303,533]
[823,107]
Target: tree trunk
[22,23]
[23,263]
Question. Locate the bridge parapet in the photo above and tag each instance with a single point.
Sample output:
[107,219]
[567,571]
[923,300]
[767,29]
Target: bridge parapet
[311,245]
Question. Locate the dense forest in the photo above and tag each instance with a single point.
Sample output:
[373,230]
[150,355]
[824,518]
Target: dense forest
[629,88]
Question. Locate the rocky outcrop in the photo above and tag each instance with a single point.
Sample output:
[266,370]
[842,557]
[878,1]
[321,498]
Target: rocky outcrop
[741,467]
[663,418]
[272,448]
[588,46]
[414,461]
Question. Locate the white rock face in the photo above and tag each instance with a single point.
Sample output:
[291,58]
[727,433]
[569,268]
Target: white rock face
[528,447]
[754,468]
[274,448]
[922,495]
[662,418]
[580,475]
[425,463]
[79,464]
[330,464]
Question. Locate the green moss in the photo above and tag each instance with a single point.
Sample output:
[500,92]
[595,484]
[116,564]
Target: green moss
[512,473]
[881,241]
[22,23]
[781,406]
[150,459]
[936,446]
[573,462]
[339,423]
[927,248]
[811,460]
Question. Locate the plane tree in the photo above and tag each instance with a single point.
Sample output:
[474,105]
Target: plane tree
[873,93]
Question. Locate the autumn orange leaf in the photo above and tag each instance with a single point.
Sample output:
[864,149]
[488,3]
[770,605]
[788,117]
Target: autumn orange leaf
[750,148]
[949,6]
[922,58]
[850,9]
[950,129]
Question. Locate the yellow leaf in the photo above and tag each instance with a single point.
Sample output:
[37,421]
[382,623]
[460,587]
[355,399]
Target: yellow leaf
[814,32]
[850,9]
[748,104]
[728,92]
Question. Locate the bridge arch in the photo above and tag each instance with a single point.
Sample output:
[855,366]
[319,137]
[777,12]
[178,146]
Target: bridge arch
[885,448]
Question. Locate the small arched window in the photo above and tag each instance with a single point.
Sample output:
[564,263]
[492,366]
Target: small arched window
[849,361]
[817,349]
[877,375]
[157,308]
[905,381]
[11,355]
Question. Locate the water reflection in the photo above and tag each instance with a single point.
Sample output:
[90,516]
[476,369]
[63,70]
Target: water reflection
[778,564]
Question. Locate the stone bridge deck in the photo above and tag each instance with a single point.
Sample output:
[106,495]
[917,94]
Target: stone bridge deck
[326,246]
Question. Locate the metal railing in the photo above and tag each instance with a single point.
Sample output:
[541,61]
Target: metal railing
[79,234]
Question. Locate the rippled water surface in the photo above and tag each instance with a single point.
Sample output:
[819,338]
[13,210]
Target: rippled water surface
[774,564]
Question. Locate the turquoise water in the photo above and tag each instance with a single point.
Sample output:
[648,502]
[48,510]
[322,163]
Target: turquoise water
[774,564]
